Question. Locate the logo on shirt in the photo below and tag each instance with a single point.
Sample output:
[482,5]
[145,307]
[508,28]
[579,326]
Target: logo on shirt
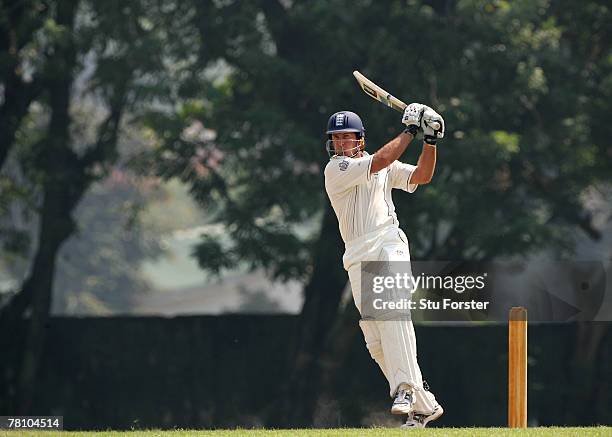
[340,119]
[343,165]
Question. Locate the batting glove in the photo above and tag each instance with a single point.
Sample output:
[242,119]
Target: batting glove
[412,117]
[432,124]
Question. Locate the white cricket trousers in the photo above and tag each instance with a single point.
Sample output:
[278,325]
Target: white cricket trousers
[391,343]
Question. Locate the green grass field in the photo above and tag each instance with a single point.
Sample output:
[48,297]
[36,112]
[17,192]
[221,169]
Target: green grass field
[357,432]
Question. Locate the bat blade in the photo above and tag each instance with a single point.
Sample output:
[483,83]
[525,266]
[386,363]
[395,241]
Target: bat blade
[377,93]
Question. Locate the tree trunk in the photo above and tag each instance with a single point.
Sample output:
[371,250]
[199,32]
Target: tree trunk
[56,227]
[63,185]
[320,310]
[338,346]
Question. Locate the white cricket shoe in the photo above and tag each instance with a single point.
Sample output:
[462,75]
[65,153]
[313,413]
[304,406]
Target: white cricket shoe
[417,420]
[403,403]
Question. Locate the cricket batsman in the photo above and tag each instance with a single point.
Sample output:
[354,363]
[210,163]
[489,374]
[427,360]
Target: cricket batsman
[359,188]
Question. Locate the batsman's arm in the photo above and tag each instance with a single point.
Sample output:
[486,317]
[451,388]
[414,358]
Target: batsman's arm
[391,151]
[425,166]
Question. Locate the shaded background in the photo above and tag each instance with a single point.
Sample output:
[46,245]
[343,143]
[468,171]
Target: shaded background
[164,159]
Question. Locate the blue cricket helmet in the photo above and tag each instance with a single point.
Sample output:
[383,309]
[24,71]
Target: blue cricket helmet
[345,121]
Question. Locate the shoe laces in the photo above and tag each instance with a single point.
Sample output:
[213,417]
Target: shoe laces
[415,417]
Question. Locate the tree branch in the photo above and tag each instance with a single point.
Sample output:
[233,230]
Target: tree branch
[105,148]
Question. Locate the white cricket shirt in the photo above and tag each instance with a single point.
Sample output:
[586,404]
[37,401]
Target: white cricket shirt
[362,201]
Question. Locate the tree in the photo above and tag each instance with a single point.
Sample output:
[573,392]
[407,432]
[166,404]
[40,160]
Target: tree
[508,76]
[128,45]
[524,87]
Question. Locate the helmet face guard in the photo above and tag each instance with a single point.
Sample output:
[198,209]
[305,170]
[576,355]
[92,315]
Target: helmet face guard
[341,122]
[357,146]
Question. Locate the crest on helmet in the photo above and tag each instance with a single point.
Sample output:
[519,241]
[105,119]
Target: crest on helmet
[340,119]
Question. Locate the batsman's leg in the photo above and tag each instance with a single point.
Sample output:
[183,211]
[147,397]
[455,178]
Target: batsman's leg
[368,327]
[399,353]
[392,344]
[399,343]
[371,336]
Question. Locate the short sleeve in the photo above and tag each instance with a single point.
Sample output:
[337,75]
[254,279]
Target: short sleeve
[343,173]
[400,174]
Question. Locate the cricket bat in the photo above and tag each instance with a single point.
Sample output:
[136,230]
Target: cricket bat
[377,93]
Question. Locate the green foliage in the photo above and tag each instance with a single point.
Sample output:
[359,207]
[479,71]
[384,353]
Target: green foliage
[236,96]
[212,256]
[521,89]
[65,90]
